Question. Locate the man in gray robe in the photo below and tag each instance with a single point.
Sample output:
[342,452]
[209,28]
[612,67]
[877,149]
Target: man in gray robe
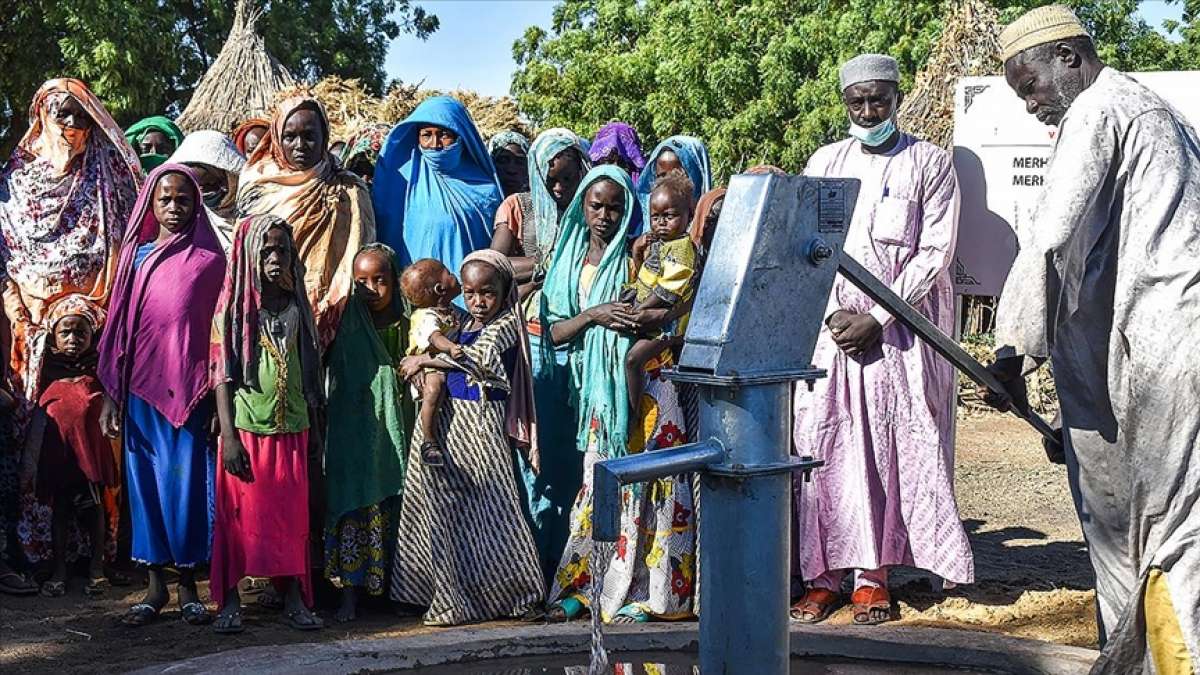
[1107,286]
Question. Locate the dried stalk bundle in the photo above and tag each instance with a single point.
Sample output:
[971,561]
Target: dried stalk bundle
[969,46]
[350,106]
[241,82]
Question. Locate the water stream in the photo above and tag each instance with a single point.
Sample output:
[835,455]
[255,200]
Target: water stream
[602,553]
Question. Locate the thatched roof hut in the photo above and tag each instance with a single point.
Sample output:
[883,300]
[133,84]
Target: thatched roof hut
[242,81]
[969,46]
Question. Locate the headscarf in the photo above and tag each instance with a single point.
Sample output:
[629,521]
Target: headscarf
[431,203]
[507,137]
[520,419]
[63,207]
[624,139]
[596,372]
[693,156]
[370,410]
[156,343]
[45,364]
[697,231]
[364,146]
[233,349]
[548,145]
[138,131]
[327,207]
[215,149]
[239,134]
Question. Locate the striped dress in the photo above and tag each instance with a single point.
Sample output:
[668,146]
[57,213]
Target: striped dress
[464,549]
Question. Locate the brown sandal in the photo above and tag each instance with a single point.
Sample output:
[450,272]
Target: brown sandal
[866,601]
[816,606]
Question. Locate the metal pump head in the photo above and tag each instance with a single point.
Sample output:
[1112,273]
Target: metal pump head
[774,255]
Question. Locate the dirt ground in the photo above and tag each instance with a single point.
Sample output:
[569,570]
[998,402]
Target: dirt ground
[1032,579]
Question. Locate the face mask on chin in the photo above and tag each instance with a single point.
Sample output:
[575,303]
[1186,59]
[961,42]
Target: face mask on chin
[214,199]
[875,136]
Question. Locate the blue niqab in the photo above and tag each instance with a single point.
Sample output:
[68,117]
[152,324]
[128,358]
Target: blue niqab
[435,203]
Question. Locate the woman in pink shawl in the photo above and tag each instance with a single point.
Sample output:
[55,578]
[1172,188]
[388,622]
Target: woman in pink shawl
[154,367]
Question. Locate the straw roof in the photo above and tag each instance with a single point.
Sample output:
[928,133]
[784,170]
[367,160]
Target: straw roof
[969,46]
[350,106]
[242,81]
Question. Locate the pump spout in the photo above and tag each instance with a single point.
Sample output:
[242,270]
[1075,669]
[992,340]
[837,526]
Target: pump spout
[608,477]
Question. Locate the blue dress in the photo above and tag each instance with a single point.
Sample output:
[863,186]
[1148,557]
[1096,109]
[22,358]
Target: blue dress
[170,476]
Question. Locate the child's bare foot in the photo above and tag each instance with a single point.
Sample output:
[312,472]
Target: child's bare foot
[348,610]
[432,454]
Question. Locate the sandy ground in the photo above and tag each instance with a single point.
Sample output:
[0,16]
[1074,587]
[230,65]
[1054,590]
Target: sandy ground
[1033,579]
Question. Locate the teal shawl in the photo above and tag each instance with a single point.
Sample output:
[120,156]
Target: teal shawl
[370,413]
[548,145]
[597,356]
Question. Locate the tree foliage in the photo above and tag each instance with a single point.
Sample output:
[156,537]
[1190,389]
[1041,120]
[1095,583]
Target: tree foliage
[756,79]
[144,57]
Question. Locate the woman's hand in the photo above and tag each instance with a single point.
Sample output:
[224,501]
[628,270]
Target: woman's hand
[110,418]
[616,316]
[235,459]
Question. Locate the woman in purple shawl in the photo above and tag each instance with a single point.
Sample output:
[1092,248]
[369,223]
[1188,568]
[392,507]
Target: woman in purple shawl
[154,367]
[618,143]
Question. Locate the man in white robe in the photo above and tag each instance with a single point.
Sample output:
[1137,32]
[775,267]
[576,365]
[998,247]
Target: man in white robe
[1107,286]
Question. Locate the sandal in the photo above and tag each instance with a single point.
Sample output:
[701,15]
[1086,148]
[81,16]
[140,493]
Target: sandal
[229,623]
[139,615]
[432,454]
[54,589]
[119,578]
[814,606]
[195,614]
[95,587]
[868,600]
[16,584]
[310,622]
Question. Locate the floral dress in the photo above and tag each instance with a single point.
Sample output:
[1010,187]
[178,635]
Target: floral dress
[652,572]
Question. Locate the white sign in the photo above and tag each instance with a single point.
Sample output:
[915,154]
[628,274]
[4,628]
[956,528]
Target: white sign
[1000,155]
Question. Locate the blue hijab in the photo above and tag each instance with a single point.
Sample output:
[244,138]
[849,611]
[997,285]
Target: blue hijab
[435,203]
[694,158]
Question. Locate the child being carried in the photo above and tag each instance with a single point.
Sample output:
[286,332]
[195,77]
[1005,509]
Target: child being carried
[664,260]
[434,324]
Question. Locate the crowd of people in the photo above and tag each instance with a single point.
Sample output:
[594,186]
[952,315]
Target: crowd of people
[392,368]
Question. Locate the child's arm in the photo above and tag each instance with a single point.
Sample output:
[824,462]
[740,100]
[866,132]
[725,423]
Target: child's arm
[638,251]
[233,454]
[440,344]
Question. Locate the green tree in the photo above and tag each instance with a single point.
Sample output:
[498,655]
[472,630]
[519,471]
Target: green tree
[756,79]
[143,57]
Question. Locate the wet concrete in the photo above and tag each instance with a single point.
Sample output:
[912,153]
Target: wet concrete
[899,644]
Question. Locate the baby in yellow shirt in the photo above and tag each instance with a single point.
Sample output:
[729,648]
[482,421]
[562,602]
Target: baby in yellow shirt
[665,262]
[433,326]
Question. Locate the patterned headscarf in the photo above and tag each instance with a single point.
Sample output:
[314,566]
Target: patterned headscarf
[507,137]
[622,138]
[546,147]
[239,134]
[364,147]
[65,197]
[75,304]
[328,208]
[233,352]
